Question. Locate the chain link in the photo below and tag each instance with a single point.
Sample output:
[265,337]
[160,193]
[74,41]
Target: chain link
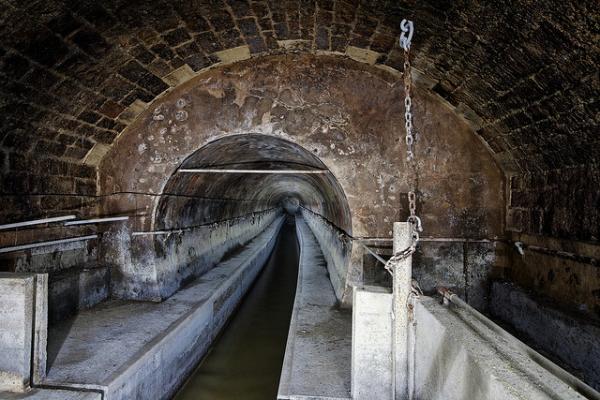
[413,218]
[400,256]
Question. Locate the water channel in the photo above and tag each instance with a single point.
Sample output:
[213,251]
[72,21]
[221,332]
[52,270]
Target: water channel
[245,360]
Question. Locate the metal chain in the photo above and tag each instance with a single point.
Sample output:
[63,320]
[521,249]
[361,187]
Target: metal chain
[399,256]
[408,124]
[407,28]
[405,41]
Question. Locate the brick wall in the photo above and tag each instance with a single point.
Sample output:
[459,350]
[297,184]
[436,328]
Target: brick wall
[560,203]
[556,212]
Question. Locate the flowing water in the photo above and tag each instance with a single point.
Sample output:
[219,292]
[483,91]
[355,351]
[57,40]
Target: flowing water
[245,360]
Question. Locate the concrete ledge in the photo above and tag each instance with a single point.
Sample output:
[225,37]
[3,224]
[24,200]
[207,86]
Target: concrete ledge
[336,248]
[40,329]
[152,268]
[16,327]
[546,328]
[458,357]
[317,356]
[140,350]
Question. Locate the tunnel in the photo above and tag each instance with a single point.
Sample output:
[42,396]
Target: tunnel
[215,196]
[243,178]
[329,199]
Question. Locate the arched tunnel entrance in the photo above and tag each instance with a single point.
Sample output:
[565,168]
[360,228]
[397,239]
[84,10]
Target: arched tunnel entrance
[248,222]
[241,174]
[241,179]
[253,174]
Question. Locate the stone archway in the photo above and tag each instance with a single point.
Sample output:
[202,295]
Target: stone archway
[347,113]
[213,197]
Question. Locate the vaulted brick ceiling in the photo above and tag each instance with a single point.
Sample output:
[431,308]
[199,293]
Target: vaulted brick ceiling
[526,68]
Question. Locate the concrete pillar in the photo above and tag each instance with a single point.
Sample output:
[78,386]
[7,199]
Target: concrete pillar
[372,376]
[16,330]
[402,285]
[23,329]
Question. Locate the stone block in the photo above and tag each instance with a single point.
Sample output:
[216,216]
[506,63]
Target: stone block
[179,76]
[233,55]
[362,55]
[95,155]
[131,112]
[16,330]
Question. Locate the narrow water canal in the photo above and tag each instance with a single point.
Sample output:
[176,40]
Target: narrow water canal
[245,361]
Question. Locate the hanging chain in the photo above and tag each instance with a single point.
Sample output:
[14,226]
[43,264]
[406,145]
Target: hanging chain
[405,41]
[407,28]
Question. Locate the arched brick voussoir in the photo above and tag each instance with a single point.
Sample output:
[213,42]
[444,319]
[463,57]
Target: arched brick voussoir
[387,71]
[349,114]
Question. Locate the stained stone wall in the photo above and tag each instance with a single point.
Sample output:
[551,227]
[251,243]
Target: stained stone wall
[526,74]
[303,112]
[557,212]
[74,75]
[313,102]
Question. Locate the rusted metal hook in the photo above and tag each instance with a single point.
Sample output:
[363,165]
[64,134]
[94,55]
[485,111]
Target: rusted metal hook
[407,27]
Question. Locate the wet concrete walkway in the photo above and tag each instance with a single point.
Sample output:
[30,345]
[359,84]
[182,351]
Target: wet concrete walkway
[317,359]
[245,361]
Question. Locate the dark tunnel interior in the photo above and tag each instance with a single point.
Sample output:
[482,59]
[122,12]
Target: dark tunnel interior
[199,198]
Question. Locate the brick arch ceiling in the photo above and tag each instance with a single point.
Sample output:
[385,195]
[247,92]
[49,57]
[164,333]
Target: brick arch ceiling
[526,70]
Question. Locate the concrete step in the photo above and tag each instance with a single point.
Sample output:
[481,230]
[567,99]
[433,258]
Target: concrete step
[51,394]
